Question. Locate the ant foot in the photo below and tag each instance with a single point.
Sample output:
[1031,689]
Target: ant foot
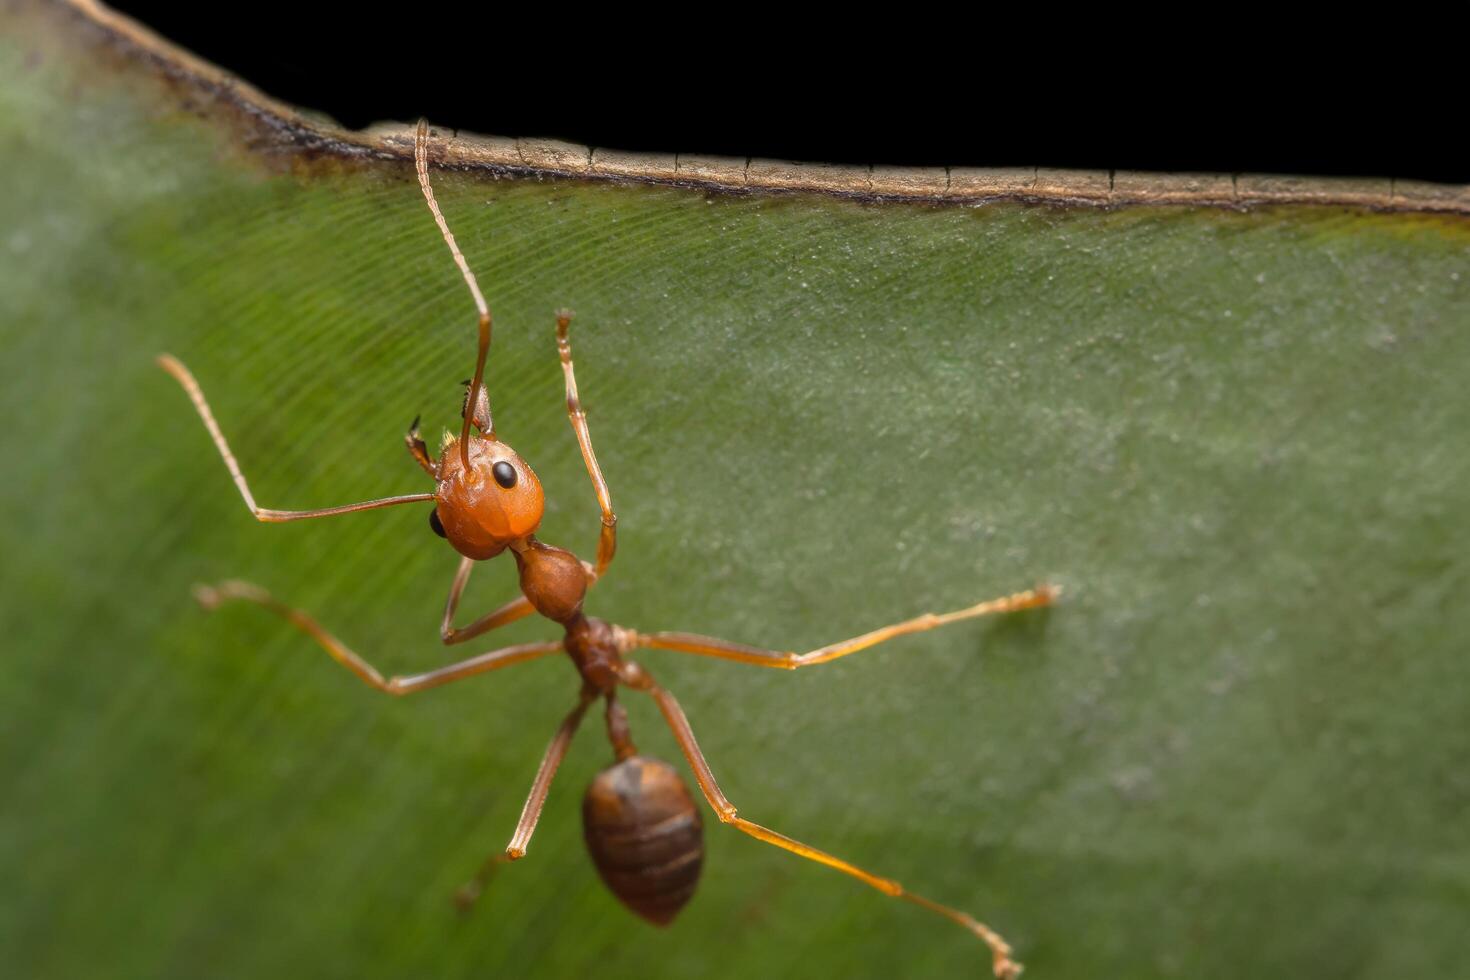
[213,596]
[466,895]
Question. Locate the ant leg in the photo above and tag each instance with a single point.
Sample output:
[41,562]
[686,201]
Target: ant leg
[555,753]
[419,449]
[531,812]
[607,542]
[210,597]
[636,677]
[191,387]
[515,609]
[706,646]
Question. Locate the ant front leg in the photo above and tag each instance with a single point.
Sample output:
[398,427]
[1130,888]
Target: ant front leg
[517,608]
[181,374]
[708,646]
[607,541]
[210,597]
[636,677]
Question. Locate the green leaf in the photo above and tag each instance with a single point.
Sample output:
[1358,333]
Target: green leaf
[1236,437]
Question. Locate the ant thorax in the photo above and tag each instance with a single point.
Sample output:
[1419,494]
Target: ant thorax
[553,579]
[492,502]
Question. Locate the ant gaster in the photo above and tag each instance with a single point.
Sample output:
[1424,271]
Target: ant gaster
[641,825]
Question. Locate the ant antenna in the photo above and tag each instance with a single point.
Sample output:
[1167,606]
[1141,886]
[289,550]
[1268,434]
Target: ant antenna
[421,162]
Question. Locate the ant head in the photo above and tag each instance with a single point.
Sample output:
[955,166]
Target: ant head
[492,503]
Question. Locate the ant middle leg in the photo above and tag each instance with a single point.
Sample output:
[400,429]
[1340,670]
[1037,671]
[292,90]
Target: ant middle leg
[607,541]
[185,378]
[211,597]
[636,677]
[531,812]
[708,646]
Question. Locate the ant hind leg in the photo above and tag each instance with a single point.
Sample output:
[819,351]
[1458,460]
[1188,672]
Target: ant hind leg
[636,677]
[531,812]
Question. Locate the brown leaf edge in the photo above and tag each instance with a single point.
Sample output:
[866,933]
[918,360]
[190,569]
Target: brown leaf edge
[287,136]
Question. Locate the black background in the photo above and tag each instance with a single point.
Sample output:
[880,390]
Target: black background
[1005,96]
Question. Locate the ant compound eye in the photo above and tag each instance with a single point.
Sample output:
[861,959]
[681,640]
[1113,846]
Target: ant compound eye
[434,523]
[505,474]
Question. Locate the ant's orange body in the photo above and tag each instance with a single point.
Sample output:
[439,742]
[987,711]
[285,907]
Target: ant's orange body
[642,827]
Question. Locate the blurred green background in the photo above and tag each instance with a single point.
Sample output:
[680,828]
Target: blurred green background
[1238,439]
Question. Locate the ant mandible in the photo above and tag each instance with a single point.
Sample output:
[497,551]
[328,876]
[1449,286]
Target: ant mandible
[640,822]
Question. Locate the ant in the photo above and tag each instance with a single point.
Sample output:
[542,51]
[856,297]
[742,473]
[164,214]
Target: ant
[640,822]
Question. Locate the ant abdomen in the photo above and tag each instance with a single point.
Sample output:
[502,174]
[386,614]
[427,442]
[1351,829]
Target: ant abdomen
[645,836]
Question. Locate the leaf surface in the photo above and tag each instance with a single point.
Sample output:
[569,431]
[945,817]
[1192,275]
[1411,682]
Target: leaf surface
[1236,438]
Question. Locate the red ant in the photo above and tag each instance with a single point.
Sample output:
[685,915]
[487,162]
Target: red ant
[640,822]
